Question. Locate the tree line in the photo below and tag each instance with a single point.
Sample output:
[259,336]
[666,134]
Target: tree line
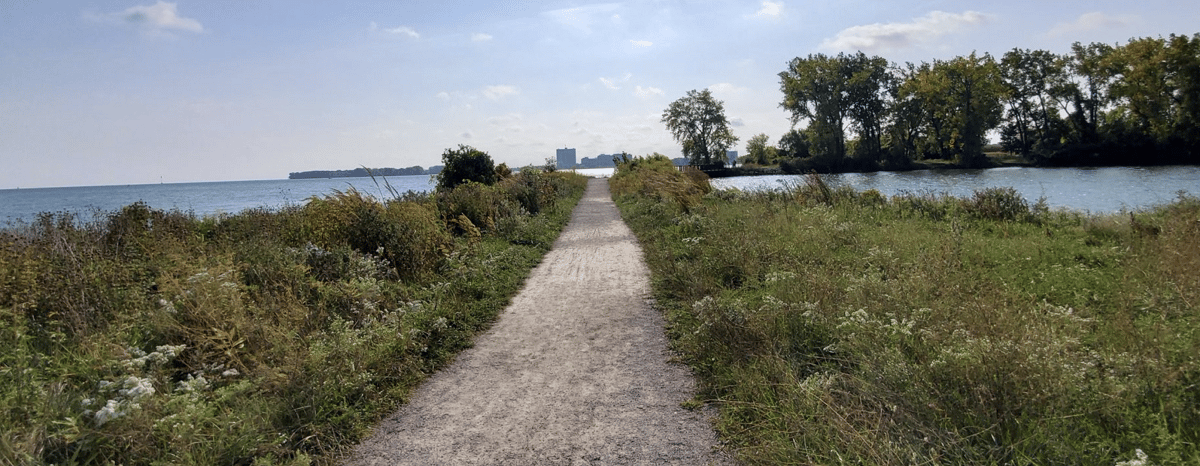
[1098,104]
[363,172]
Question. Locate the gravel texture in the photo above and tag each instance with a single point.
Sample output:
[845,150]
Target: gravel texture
[576,371]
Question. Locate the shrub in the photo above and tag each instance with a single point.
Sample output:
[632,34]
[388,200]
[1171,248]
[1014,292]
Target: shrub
[419,241]
[656,176]
[479,203]
[1004,204]
[465,164]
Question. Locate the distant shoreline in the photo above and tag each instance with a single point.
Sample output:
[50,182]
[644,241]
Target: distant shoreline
[365,172]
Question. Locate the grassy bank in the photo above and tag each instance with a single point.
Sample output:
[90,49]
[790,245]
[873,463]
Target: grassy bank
[841,327]
[265,337]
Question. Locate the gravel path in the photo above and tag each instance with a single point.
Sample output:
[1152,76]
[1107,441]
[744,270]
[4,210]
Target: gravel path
[575,371]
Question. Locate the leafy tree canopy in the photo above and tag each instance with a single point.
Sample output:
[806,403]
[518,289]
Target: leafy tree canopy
[697,121]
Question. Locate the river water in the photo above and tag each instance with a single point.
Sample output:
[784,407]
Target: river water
[1097,190]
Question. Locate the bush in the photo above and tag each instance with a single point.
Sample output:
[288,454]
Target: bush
[465,164]
[1003,204]
[405,233]
[656,176]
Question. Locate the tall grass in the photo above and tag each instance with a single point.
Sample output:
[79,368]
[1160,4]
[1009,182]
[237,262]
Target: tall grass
[266,337]
[832,326]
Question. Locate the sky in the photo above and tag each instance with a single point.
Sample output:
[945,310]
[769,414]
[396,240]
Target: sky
[106,92]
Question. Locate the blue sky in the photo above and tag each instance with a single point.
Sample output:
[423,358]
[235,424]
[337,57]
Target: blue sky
[146,91]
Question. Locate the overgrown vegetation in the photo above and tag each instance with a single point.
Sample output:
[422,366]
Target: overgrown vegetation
[265,337]
[840,327]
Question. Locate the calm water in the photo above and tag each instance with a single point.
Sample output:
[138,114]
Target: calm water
[1098,190]
[200,198]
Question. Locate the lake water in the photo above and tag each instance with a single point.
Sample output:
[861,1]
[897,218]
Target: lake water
[199,198]
[1098,190]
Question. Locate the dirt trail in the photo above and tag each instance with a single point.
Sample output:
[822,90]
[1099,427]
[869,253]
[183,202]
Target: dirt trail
[575,371]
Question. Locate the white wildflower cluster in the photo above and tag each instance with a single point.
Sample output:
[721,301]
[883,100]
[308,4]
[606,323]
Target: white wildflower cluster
[1139,459]
[711,311]
[694,240]
[125,395]
[160,355]
[193,385]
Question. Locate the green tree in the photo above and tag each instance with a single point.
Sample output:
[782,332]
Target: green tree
[1143,91]
[793,145]
[1086,91]
[922,112]
[697,121]
[465,164]
[1183,62]
[1031,78]
[833,92]
[759,151]
[961,101]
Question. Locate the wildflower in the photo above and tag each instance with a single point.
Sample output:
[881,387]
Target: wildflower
[1140,459]
[192,384]
[136,388]
[110,411]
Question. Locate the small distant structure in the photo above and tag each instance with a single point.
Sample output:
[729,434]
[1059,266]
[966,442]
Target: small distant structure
[600,161]
[731,157]
[564,158]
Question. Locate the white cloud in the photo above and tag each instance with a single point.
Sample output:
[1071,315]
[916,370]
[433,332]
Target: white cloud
[1093,21]
[499,92]
[890,36]
[770,10]
[647,92]
[725,88]
[582,18]
[480,37]
[399,30]
[159,18]
[641,43]
[614,83]
[443,95]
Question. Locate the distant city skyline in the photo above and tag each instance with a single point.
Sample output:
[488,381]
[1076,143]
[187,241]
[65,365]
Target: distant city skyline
[103,92]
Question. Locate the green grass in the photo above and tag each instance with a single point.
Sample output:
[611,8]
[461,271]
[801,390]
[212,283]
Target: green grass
[832,326]
[265,337]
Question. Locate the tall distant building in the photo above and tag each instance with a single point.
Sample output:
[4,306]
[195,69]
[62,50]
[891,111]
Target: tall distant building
[565,159]
[731,157]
